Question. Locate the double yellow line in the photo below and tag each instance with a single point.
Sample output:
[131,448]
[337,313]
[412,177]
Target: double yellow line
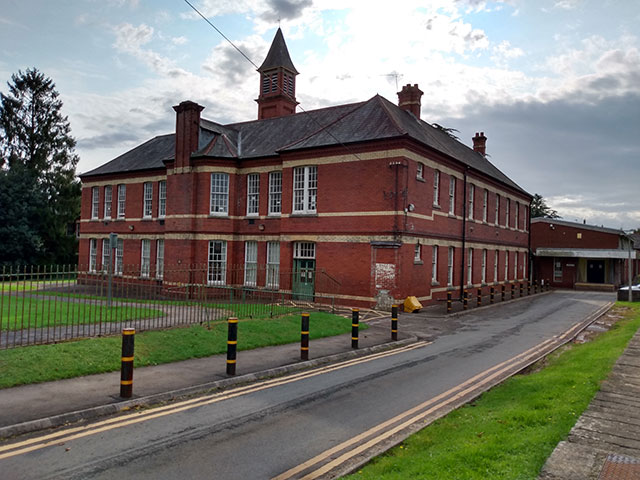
[44,441]
[386,430]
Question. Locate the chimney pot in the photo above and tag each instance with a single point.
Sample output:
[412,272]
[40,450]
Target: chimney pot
[409,99]
[480,143]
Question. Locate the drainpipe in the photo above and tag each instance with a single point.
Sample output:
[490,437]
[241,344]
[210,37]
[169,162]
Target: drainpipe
[464,229]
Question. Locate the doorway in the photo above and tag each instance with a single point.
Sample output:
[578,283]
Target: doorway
[304,271]
[595,271]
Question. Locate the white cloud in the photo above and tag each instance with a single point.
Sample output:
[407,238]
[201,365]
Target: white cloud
[567,4]
[179,40]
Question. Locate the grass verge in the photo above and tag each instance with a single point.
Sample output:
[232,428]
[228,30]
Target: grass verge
[97,355]
[509,432]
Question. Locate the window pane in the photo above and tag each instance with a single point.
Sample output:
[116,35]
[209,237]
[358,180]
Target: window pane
[253,193]
[147,199]
[162,198]
[251,263]
[107,201]
[275,192]
[219,194]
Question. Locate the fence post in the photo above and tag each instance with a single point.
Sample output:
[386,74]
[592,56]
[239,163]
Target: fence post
[394,322]
[304,337]
[502,293]
[465,300]
[448,302]
[126,368]
[492,295]
[479,297]
[232,345]
[355,326]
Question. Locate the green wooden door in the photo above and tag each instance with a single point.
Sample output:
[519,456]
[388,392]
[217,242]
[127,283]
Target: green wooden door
[303,279]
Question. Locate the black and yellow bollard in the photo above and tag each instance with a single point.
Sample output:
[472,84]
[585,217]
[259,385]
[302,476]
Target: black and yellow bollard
[465,300]
[126,369]
[502,293]
[394,322]
[448,302]
[232,345]
[479,297]
[535,287]
[548,284]
[521,289]
[528,287]
[304,337]
[492,294]
[513,288]
[355,326]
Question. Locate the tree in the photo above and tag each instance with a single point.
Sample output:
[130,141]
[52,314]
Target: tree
[40,194]
[447,130]
[539,208]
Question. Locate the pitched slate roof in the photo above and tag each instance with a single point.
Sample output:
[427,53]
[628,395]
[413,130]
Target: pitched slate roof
[278,55]
[582,226]
[375,119]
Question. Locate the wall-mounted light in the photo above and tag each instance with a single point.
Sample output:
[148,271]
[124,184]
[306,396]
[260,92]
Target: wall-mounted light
[131,227]
[261,227]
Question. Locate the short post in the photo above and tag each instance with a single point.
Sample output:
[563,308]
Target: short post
[232,345]
[394,322]
[479,297]
[535,287]
[528,287]
[448,302]
[502,293]
[548,284]
[304,337]
[126,368]
[521,288]
[465,300]
[355,326]
[513,287]
[492,295]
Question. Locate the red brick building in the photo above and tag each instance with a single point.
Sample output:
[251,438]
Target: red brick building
[363,202]
[575,255]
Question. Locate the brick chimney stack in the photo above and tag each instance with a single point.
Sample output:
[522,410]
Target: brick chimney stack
[409,99]
[187,131]
[480,143]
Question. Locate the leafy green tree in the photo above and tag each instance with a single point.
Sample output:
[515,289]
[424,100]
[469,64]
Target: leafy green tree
[449,131]
[539,208]
[40,192]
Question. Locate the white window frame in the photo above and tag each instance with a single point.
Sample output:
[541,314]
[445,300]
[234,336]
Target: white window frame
[250,263]
[497,222]
[472,194]
[145,258]
[517,210]
[93,255]
[434,264]
[162,198]
[122,200]
[515,265]
[452,195]
[273,266]
[470,267]
[507,212]
[485,205]
[450,258]
[160,258]
[147,199]
[506,265]
[304,251]
[253,194]
[305,189]
[417,253]
[484,266]
[275,193]
[217,264]
[119,267]
[436,187]
[525,211]
[106,254]
[219,200]
[108,199]
[420,171]
[95,202]
[496,258]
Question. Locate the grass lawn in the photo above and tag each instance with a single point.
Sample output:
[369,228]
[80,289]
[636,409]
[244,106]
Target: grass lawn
[25,312]
[97,355]
[510,431]
[20,286]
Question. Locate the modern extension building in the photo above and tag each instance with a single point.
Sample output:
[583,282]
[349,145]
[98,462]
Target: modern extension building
[576,255]
[363,202]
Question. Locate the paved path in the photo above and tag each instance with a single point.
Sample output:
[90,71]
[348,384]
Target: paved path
[604,444]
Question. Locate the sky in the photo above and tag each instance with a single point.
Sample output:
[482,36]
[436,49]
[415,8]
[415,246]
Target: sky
[553,84]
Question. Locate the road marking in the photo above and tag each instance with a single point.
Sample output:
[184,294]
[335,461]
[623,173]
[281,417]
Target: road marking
[122,421]
[461,392]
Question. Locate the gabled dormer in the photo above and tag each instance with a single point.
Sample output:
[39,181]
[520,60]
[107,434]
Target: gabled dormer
[277,96]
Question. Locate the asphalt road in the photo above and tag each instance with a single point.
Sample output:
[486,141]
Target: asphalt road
[266,429]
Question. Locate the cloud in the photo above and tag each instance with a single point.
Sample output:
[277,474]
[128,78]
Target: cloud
[179,40]
[284,9]
[503,52]
[567,4]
